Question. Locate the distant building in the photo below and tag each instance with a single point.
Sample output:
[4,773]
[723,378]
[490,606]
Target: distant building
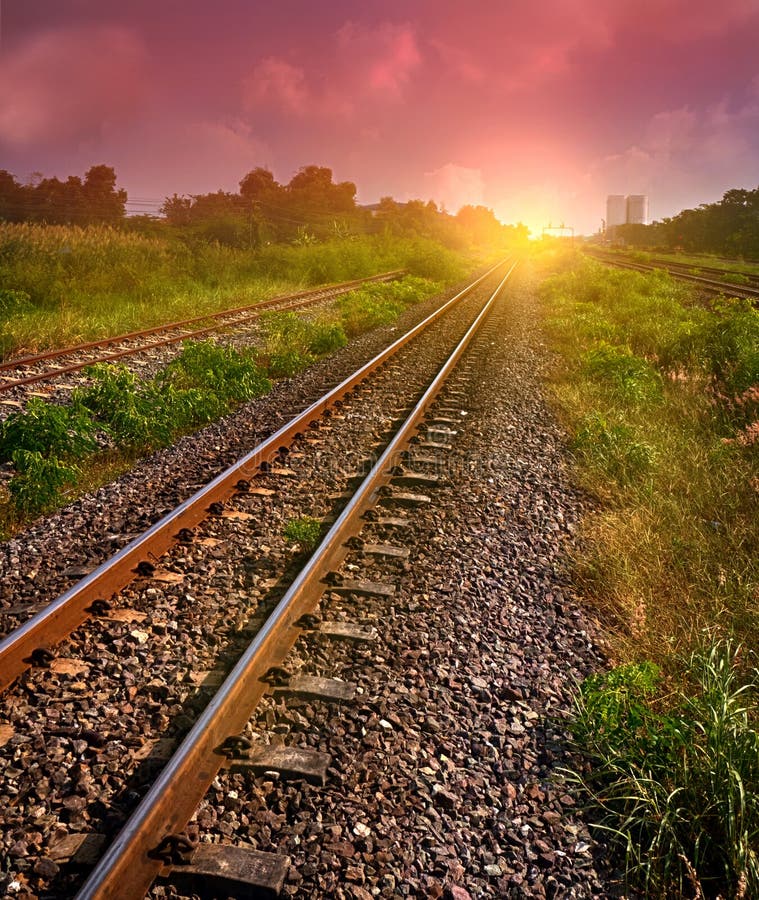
[637,209]
[621,210]
[616,210]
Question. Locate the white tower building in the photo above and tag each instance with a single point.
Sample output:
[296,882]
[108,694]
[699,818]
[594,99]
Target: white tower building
[637,209]
[616,211]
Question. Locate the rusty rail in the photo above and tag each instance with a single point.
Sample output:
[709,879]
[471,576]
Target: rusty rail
[127,869]
[64,614]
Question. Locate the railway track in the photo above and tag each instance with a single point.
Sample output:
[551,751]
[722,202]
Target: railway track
[176,537]
[710,285]
[18,376]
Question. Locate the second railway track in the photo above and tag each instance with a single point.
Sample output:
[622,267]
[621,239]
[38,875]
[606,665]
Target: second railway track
[709,284]
[59,369]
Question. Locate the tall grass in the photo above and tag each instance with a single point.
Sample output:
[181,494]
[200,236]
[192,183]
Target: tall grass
[54,448]
[674,781]
[62,284]
[658,395]
[661,397]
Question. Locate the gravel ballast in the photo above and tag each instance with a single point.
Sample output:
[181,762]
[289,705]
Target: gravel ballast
[446,773]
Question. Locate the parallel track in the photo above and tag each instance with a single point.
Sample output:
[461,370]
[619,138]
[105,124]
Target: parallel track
[711,285]
[129,866]
[176,331]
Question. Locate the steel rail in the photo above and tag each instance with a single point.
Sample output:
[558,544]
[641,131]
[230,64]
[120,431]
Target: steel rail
[286,301]
[64,614]
[722,287]
[126,870]
[675,265]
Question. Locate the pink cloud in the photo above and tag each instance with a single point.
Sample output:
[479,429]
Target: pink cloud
[366,66]
[384,57]
[69,85]
[681,151]
[454,186]
[278,83]
[191,157]
[460,61]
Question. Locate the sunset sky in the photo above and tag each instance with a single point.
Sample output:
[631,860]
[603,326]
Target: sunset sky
[535,109]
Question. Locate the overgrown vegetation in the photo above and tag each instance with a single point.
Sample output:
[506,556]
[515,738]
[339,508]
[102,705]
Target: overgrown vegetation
[730,226]
[64,284]
[675,781]
[75,267]
[661,398]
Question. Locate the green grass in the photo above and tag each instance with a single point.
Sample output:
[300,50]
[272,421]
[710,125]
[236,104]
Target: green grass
[304,531]
[673,776]
[64,284]
[54,449]
[735,266]
[661,401]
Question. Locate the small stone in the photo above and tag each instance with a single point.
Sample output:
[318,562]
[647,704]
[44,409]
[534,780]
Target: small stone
[46,868]
[455,892]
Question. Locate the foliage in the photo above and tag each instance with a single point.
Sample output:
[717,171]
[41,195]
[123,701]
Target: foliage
[677,786]
[613,449]
[625,373]
[232,375]
[67,283]
[51,430]
[304,530]
[125,407]
[38,481]
[730,226]
[380,304]
[56,202]
[672,545]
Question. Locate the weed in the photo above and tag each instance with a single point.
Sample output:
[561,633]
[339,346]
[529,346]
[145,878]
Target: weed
[735,278]
[672,546]
[677,786]
[612,449]
[304,530]
[82,283]
[128,409]
[55,431]
[38,481]
[232,375]
[625,373]
[326,337]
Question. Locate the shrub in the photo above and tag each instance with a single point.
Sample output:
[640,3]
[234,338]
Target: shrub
[62,431]
[287,363]
[730,346]
[38,481]
[612,448]
[304,531]
[130,410]
[626,374]
[232,375]
[326,337]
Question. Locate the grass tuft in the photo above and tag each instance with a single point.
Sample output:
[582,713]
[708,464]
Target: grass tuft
[304,531]
[674,779]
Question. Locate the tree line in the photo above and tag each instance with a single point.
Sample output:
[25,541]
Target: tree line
[311,207]
[729,227]
[73,201]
